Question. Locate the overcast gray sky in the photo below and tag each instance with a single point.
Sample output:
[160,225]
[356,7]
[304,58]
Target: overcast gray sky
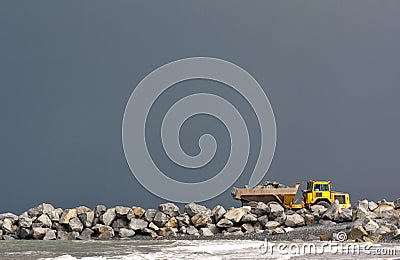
[331,70]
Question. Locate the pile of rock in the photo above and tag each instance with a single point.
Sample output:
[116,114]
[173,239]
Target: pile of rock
[371,220]
[272,185]
[48,223]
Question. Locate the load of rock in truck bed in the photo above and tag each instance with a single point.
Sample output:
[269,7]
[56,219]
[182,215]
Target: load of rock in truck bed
[270,185]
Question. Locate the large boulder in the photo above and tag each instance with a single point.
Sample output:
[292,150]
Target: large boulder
[25,221]
[87,218]
[138,224]
[125,233]
[272,224]
[39,232]
[192,209]
[172,222]
[50,235]
[160,219]
[108,217]
[169,208]
[260,209]
[86,234]
[121,211]
[357,232]
[236,214]
[75,224]
[44,221]
[224,223]
[167,232]
[82,209]
[294,220]
[218,212]
[361,210]
[8,226]
[396,204]
[384,210]
[67,215]
[99,210]
[249,218]
[332,213]
[276,210]
[149,215]
[201,220]
[263,220]
[183,220]
[205,232]
[369,225]
[346,215]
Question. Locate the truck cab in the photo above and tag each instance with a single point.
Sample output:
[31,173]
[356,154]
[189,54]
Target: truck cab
[320,193]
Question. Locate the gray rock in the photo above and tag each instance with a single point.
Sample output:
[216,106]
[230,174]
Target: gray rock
[59,227]
[54,215]
[249,218]
[23,233]
[361,209]
[294,220]
[372,205]
[278,230]
[192,209]
[326,222]
[260,209]
[44,221]
[39,232]
[247,228]
[191,230]
[213,228]
[99,210]
[236,214]
[8,227]
[138,224]
[25,222]
[121,211]
[150,232]
[183,220]
[224,223]
[396,204]
[160,219]
[218,212]
[63,235]
[120,223]
[275,209]
[124,233]
[86,234]
[108,217]
[9,216]
[75,224]
[234,229]
[332,213]
[67,215]
[169,208]
[153,226]
[82,209]
[263,220]
[272,224]
[369,225]
[205,232]
[346,215]
[50,235]
[281,219]
[149,215]
[9,237]
[319,209]
[87,218]
[200,220]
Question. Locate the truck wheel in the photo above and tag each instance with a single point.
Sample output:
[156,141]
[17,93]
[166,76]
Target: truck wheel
[324,203]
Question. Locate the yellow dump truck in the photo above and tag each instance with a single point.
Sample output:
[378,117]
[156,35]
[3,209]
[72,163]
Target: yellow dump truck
[317,193]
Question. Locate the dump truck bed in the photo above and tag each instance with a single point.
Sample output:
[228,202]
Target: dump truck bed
[284,196]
